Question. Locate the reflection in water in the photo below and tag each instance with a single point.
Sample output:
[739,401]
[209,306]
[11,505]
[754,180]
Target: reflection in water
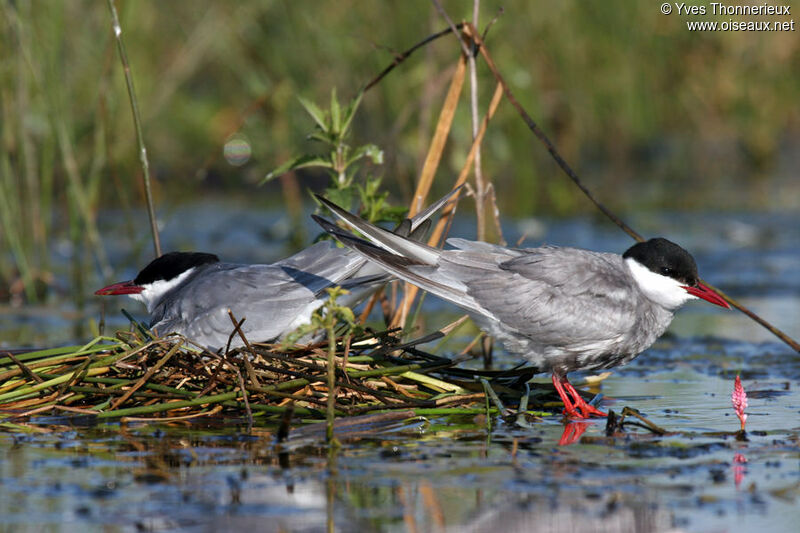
[422,475]
[739,468]
[592,514]
[573,431]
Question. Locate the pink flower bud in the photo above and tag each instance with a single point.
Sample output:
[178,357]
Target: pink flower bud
[739,400]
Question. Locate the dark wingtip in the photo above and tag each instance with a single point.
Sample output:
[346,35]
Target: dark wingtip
[324,201]
[340,234]
[326,224]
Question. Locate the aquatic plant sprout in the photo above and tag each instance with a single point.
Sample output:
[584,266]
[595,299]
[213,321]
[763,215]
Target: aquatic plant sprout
[739,400]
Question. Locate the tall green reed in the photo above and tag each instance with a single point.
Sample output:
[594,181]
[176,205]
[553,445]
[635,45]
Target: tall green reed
[53,156]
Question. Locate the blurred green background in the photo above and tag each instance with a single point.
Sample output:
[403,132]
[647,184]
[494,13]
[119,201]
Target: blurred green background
[650,115]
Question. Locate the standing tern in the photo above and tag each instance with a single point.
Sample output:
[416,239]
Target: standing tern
[563,309]
[191,292]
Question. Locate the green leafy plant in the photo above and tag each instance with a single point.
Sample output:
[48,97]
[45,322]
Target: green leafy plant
[343,162]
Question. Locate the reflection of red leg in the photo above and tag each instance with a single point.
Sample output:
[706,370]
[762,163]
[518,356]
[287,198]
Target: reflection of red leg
[573,432]
[577,407]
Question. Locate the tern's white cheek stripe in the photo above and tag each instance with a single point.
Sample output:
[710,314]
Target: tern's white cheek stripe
[662,290]
[153,292]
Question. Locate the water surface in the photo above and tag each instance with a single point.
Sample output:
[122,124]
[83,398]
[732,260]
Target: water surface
[457,473]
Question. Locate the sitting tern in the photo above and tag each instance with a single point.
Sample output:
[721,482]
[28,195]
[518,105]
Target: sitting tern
[563,309]
[191,292]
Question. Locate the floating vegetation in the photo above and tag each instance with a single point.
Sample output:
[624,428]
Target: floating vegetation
[135,377]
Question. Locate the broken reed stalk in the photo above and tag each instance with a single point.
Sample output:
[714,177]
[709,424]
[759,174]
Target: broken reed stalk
[448,212]
[25,370]
[433,158]
[436,148]
[483,188]
[237,326]
[123,56]
[428,172]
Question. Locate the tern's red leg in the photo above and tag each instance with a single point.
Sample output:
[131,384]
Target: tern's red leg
[586,409]
[569,407]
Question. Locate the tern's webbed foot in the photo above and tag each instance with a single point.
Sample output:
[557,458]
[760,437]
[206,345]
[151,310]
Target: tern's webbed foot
[576,406]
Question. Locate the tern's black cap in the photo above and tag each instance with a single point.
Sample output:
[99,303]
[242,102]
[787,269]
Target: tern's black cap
[172,265]
[666,258]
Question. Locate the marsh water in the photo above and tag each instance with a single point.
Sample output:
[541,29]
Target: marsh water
[465,473]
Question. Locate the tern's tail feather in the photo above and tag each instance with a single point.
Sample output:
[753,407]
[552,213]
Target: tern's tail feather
[418,226]
[410,261]
[413,251]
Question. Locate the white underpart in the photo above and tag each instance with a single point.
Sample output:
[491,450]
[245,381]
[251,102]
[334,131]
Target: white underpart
[663,290]
[304,316]
[153,292]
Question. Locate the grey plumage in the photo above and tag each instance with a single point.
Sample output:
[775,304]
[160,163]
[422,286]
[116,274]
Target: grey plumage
[273,299]
[563,309]
[194,296]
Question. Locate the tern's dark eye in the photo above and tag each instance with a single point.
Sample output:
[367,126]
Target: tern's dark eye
[666,271]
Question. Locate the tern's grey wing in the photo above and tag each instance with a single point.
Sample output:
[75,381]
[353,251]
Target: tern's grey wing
[274,299]
[323,260]
[479,246]
[566,301]
[269,300]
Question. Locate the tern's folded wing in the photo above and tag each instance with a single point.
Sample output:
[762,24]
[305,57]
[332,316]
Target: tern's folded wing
[561,297]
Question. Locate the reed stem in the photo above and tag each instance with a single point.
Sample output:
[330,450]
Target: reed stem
[138,125]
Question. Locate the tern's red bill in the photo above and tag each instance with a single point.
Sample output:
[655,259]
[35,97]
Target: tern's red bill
[702,291]
[123,287]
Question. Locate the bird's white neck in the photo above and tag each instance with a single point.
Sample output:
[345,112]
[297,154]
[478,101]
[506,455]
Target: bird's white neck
[662,290]
[153,292]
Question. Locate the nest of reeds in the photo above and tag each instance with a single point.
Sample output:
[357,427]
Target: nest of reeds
[134,377]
